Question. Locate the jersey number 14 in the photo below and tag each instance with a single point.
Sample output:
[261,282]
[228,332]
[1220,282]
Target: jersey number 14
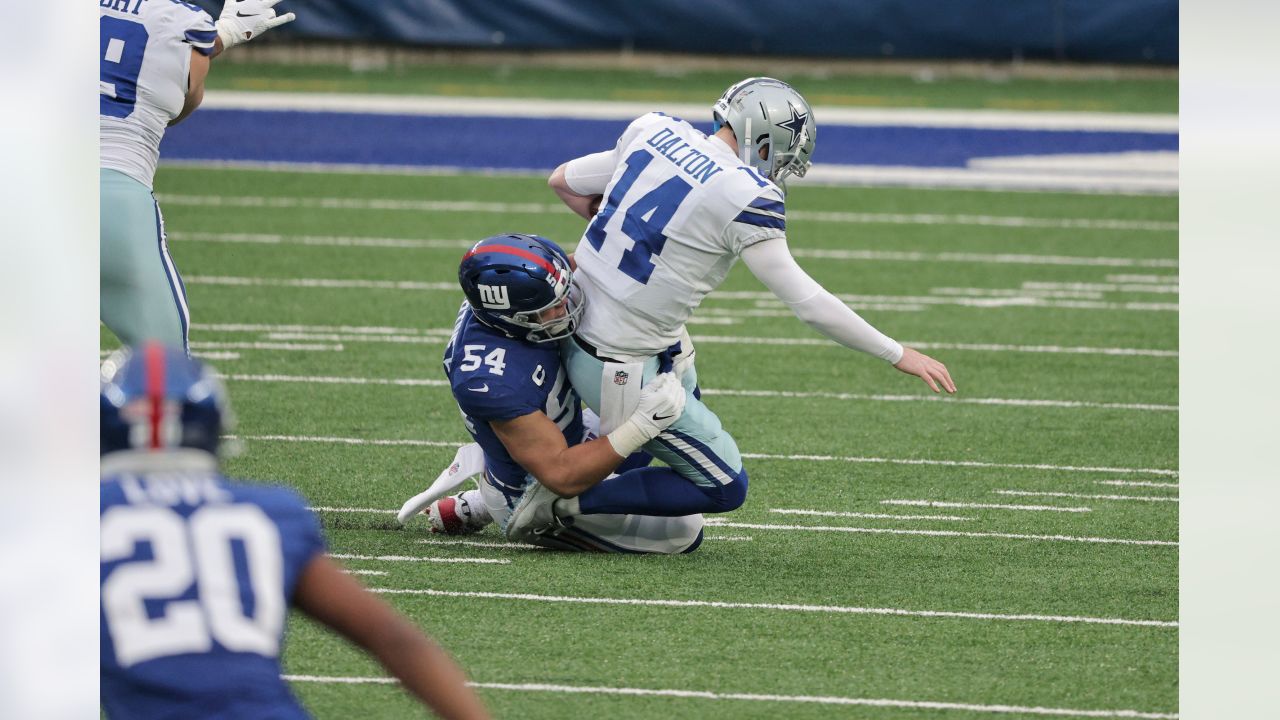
[659,205]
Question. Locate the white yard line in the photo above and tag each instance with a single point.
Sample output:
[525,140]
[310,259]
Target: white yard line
[480,544]
[897,301]
[1155,279]
[1100,287]
[292,347]
[445,105]
[375,511]
[875,516]
[349,441]
[1137,483]
[323,380]
[755,456]
[367,572]
[417,558]
[730,538]
[322,240]
[939,533]
[817,216]
[441,333]
[985,506]
[983,258]
[978,347]
[1008,402]
[783,607]
[756,697]
[1086,496]
[960,463]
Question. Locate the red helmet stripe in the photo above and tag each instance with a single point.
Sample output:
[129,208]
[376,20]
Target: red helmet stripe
[154,356]
[525,254]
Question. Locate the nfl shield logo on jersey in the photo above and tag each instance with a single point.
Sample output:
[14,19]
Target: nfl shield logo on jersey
[620,377]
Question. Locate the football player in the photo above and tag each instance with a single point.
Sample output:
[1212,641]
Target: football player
[154,56]
[679,208]
[503,365]
[198,572]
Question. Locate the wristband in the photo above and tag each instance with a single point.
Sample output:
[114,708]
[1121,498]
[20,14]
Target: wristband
[628,438]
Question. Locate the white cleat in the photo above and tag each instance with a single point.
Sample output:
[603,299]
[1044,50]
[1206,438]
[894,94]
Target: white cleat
[458,514]
[534,515]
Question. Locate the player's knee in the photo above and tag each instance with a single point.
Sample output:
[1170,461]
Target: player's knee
[733,494]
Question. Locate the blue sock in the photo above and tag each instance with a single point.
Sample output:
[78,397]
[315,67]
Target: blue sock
[661,492]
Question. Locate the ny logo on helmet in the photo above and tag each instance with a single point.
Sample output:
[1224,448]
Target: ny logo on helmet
[494,297]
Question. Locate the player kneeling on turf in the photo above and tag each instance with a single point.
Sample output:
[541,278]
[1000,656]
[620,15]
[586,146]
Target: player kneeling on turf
[537,463]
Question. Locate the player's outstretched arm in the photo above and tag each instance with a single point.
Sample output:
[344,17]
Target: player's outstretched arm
[536,443]
[584,205]
[771,262]
[335,599]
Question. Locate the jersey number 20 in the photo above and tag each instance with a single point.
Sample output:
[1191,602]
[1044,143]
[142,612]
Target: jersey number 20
[659,204]
[185,551]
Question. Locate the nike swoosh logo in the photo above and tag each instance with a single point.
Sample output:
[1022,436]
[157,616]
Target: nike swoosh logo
[482,388]
[662,417]
[240,14]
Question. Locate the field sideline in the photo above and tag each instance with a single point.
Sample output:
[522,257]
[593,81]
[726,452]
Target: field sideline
[1011,552]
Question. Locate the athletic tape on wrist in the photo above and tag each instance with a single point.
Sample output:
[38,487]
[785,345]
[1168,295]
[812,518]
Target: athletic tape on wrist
[628,438]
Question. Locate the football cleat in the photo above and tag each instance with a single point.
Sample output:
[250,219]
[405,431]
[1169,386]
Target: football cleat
[534,515]
[458,514]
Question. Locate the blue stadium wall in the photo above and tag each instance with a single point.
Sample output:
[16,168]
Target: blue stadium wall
[1122,31]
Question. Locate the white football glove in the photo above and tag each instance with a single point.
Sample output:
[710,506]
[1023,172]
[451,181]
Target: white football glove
[661,404]
[244,20]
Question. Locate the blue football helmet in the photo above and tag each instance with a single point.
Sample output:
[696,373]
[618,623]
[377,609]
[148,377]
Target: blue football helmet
[157,399]
[521,286]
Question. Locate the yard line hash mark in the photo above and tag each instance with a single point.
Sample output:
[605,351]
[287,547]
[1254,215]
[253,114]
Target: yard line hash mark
[417,558]
[987,506]
[783,607]
[875,516]
[940,533]
[1086,496]
[756,697]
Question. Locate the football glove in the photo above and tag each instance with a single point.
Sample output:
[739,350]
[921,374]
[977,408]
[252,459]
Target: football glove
[661,404]
[244,20]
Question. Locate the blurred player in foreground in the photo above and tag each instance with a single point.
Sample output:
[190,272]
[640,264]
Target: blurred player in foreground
[503,365]
[154,56]
[679,208]
[198,572]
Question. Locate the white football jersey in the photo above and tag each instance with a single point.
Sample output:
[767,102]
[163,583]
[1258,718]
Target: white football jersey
[145,55]
[678,211]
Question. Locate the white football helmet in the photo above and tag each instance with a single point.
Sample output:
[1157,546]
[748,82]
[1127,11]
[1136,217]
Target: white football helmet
[774,126]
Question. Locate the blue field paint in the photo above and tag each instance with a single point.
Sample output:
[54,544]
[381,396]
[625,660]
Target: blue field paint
[543,143]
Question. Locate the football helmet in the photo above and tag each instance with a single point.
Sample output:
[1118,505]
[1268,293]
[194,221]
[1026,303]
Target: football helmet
[773,124]
[157,399]
[521,286]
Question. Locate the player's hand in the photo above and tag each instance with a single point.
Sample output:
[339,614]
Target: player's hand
[661,404]
[244,20]
[926,368]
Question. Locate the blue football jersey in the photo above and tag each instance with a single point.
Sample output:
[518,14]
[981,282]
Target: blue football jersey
[495,377]
[197,577]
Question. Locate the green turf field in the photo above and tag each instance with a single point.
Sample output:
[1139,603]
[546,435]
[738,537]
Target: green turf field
[1062,337]
[822,85]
